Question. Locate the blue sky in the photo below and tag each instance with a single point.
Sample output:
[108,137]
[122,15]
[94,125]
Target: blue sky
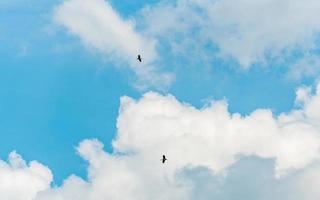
[57,91]
[57,98]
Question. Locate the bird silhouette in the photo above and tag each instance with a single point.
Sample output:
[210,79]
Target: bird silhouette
[139,58]
[164,159]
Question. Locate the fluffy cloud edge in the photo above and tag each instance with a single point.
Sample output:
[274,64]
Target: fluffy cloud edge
[22,181]
[211,138]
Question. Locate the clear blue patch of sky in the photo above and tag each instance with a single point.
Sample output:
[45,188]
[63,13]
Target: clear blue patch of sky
[127,8]
[245,90]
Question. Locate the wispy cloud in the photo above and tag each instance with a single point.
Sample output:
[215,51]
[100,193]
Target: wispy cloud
[100,27]
[243,31]
[248,31]
[306,67]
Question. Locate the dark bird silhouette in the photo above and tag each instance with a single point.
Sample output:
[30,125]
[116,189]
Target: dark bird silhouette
[139,58]
[164,159]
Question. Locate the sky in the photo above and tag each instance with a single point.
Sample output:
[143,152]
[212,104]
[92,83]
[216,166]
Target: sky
[228,90]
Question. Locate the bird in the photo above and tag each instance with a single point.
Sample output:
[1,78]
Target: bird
[164,159]
[139,58]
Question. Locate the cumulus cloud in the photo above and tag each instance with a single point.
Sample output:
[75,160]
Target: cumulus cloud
[21,181]
[248,31]
[213,137]
[100,27]
[198,142]
[115,177]
[203,146]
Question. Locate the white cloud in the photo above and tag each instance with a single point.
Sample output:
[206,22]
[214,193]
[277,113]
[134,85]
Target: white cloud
[19,181]
[115,177]
[213,137]
[249,31]
[311,103]
[210,138]
[195,141]
[100,27]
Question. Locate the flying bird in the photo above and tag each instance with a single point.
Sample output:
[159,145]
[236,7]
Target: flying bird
[163,159]
[139,58]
